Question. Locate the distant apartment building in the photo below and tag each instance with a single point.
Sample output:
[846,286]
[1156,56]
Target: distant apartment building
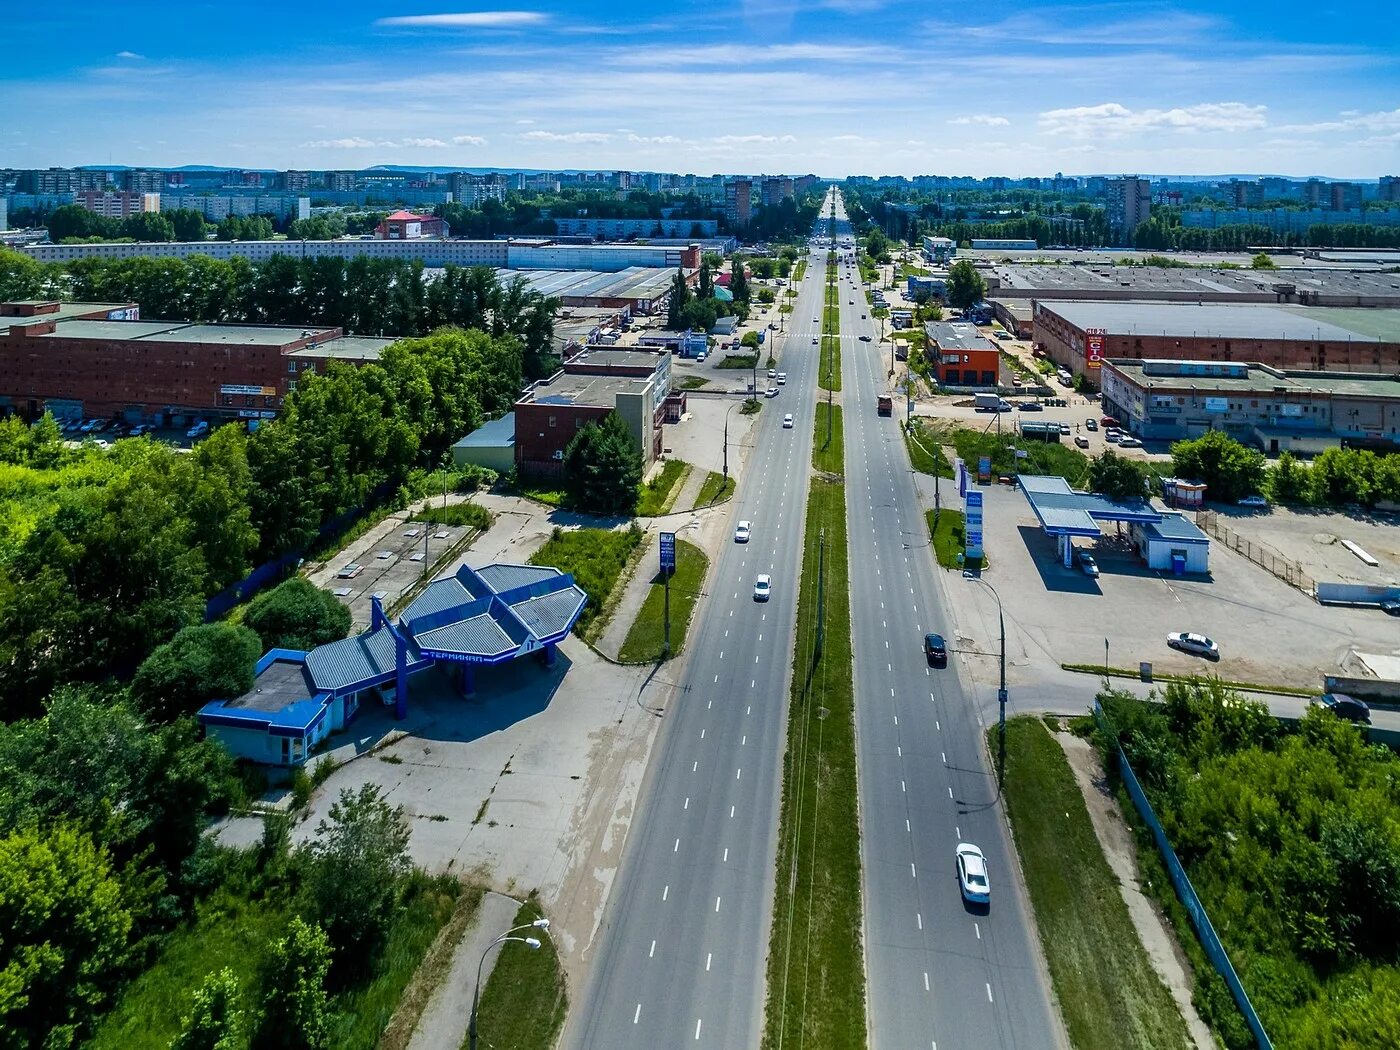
[1275,188]
[738,201]
[407,226]
[4,215]
[803,183]
[61,180]
[1129,204]
[142,180]
[117,204]
[1343,196]
[1246,194]
[340,181]
[777,189]
[540,183]
[295,181]
[1389,189]
[1316,193]
[625,229]
[219,206]
[471,190]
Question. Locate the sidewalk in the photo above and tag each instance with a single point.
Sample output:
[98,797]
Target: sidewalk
[443,1025]
[634,593]
[690,488]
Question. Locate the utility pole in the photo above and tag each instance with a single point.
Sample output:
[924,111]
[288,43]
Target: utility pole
[821,592]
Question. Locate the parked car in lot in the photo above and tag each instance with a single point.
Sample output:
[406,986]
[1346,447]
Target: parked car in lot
[1195,644]
[972,874]
[1081,441]
[1253,501]
[772,391]
[200,428]
[1343,706]
[1090,424]
[1109,421]
[1031,406]
[741,532]
[1087,563]
[1065,430]
[762,587]
[772,373]
[1112,436]
[1129,442]
[935,650]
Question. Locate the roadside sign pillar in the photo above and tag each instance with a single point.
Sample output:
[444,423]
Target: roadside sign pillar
[668,566]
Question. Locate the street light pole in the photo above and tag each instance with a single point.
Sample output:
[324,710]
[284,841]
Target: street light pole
[1001,692]
[532,943]
[726,444]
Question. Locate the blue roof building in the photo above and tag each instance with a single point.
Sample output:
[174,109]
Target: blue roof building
[488,616]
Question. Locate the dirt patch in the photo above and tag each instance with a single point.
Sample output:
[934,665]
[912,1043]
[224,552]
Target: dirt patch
[1120,850]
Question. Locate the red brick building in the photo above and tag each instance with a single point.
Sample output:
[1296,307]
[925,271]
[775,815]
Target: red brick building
[960,355]
[90,360]
[406,226]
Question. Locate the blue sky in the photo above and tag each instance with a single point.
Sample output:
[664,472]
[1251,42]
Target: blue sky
[832,86]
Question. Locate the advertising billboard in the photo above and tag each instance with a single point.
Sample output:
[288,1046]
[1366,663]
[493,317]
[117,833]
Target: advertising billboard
[972,523]
[1093,346]
[668,552]
[256,391]
[1217,404]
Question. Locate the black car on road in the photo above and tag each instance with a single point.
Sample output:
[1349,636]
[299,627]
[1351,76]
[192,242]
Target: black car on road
[935,650]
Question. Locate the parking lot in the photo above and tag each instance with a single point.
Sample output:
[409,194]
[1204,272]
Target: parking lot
[1268,632]
[1312,540]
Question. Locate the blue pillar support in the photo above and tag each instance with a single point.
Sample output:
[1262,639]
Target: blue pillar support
[468,681]
[400,677]
[550,654]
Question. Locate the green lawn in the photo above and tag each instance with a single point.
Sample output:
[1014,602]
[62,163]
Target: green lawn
[799,271]
[548,491]
[472,515]
[692,383]
[752,406]
[925,453]
[644,640]
[235,932]
[738,361]
[832,458]
[596,558]
[658,494]
[1042,457]
[715,488]
[829,376]
[816,976]
[1085,930]
[525,999]
[946,528]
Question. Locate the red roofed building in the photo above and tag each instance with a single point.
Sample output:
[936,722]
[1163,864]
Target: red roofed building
[406,226]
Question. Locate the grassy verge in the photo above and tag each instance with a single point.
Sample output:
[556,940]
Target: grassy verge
[829,378]
[1243,687]
[816,979]
[647,633]
[752,406]
[715,488]
[548,491]
[1042,457]
[692,383]
[925,453]
[1084,926]
[660,492]
[596,558]
[945,527]
[738,361]
[800,271]
[832,458]
[472,515]
[525,999]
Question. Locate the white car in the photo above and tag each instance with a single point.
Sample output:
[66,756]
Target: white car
[772,373]
[772,391]
[816,320]
[741,532]
[1253,501]
[1196,644]
[782,378]
[1129,442]
[787,421]
[972,874]
[762,587]
[814,340]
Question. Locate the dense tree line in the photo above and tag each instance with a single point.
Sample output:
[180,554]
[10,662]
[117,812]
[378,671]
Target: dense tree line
[1335,477]
[74,222]
[1292,840]
[384,297]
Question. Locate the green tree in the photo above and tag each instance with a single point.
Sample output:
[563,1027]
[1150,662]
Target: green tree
[1291,480]
[1263,262]
[73,220]
[201,663]
[296,1009]
[66,928]
[1117,477]
[296,614]
[187,223]
[738,279]
[603,468]
[680,295]
[353,872]
[1229,469]
[706,287]
[148,226]
[216,1020]
[965,285]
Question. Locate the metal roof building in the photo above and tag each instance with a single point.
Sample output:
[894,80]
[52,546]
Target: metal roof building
[487,616]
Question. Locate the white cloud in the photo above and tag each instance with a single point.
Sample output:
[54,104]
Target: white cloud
[424,143]
[1352,120]
[653,140]
[360,142]
[468,20]
[1113,119]
[131,55]
[345,143]
[735,56]
[468,140]
[986,120]
[736,140]
[568,136]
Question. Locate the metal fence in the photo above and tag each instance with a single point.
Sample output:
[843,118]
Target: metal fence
[1290,572]
[1186,893]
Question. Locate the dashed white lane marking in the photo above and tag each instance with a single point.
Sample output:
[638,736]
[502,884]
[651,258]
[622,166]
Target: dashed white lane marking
[665,892]
[652,953]
[697,1029]
[702,734]
[726,856]
[687,802]
[738,773]
[912,873]
[708,957]
[902,787]
[978,928]
[925,980]
[989,992]
[677,847]
[919,918]
[636,1016]
[695,766]
[731,812]
[717,900]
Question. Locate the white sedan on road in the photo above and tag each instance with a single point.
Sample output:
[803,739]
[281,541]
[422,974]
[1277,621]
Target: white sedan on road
[972,874]
[741,532]
[762,587]
[787,421]
[1195,644]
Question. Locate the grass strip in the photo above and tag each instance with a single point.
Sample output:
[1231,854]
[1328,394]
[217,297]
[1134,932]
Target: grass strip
[716,487]
[739,361]
[525,999]
[542,490]
[828,457]
[645,638]
[1110,996]
[692,383]
[658,494]
[596,558]
[816,979]
[1243,687]
[925,453]
[431,972]
[946,529]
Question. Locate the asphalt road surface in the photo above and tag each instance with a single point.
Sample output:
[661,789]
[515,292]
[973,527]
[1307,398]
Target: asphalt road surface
[939,973]
[681,958]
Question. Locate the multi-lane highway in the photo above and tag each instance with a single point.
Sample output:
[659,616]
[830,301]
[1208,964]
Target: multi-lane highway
[939,974]
[685,936]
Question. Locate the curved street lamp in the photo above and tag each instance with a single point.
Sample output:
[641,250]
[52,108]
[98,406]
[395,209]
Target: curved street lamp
[1001,692]
[532,943]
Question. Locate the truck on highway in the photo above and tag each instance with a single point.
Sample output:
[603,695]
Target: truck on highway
[884,405]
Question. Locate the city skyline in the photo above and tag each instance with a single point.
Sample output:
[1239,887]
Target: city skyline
[837,88]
